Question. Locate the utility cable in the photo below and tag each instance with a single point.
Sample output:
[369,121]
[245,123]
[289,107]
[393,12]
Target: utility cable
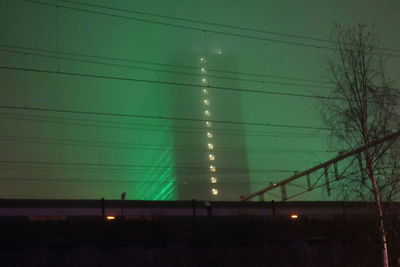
[168,71]
[234,27]
[146,146]
[186,27]
[151,127]
[159,117]
[159,64]
[120,165]
[168,83]
[182,26]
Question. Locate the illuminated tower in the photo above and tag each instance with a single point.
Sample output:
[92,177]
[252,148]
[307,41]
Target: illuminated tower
[210,156]
[209,134]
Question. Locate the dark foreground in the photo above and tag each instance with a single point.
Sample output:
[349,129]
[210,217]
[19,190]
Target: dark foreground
[194,241]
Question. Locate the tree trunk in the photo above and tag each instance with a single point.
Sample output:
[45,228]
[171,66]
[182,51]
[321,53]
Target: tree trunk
[378,205]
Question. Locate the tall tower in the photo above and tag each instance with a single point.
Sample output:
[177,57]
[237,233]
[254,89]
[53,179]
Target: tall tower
[210,147]
[208,133]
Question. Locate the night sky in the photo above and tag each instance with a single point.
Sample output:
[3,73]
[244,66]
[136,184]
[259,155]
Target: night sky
[103,97]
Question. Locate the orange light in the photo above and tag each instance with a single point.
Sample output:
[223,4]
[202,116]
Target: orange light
[110,218]
[294,216]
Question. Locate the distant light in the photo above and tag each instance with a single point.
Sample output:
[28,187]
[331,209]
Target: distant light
[110,218]
[214,191]
[203,70]
[294,216]
[205,91]
[204,81]
[209,135]
[274,184]
[202,60]
[206,102]
[210,146]
[219,52]
[211,157]
[207,112]
[212,168]
[208,124]
[213,180]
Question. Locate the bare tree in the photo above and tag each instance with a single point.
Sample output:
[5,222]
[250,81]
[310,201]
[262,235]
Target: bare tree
[361,109]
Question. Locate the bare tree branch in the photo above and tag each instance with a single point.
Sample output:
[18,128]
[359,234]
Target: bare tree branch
[367,113]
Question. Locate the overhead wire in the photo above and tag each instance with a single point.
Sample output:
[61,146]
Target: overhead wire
[147,146]
[179,26]
[186,26]
[235,27]
[199,21]
[151,126]
[169,71]
[114,181]
[130,166]
[194,68]
[169,118]
[98,76]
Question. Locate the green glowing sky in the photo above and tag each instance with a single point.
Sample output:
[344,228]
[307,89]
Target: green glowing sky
[159,151]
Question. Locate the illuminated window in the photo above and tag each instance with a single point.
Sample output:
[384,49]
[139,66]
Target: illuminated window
[211,157]
[213,180]
[214,191]
[202,60]
[207,112]
[210,146]
[209,135]
[212,168]
[208,124]
[110,218]
[206,102]
[203,70]
[294,216]
[205,91]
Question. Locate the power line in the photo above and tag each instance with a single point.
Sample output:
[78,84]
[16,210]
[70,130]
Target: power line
[188,27]
[162,64]
[150,127]
[169,71]
[117,182]
[188,174]
[120,165]
[201,22]
[168,83]
[159,117]
[241,28]
[173,83]
[181,26]
[136,146]
[184,73]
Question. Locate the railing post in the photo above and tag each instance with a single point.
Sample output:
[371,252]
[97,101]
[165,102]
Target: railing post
[309,182]
[328,187]
[284,194]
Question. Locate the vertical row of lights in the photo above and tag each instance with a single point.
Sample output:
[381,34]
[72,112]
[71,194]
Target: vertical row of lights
[209,133]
